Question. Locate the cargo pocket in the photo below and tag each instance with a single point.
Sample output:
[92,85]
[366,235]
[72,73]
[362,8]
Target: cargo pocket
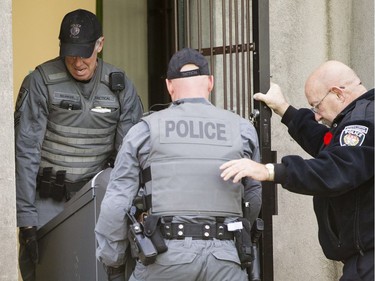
[175,256]
[226,254]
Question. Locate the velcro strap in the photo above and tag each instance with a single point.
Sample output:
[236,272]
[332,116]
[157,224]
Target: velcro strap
[45,184]
[145,176]
[147,201]
[196,231]
[60,178]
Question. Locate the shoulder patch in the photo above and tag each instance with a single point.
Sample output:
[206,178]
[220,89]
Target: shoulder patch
[23,93]
[353,135]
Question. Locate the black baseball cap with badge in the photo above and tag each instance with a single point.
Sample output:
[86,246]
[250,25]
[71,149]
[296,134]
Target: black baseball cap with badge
[184,57]
[78,34]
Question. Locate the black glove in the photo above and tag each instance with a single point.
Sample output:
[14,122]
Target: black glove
[27,237]
[115,273]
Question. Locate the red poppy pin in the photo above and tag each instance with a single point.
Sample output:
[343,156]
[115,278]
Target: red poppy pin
[327,138]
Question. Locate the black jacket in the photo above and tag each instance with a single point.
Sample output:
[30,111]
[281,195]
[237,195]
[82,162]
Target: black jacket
[340,176]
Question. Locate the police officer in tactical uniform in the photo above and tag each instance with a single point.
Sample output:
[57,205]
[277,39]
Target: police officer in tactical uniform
[341,175]
[192,214]
[71,115]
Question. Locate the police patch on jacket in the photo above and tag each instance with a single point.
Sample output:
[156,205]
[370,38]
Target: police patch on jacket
[23,93]
[353,135]
[195,130]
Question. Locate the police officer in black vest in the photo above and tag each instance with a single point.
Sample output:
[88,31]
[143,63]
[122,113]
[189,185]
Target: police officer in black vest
[71,115]
[192,215]
[341,175]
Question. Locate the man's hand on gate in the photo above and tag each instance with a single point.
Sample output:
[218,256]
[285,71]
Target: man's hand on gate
[274,99]
[29,240]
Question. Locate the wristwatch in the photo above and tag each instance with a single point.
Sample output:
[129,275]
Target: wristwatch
[271,171]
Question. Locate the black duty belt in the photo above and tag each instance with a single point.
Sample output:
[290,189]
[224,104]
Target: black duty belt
[196,231]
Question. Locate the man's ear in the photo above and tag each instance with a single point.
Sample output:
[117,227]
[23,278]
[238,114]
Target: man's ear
[211,83]
[339,92]
[101,44]
[170,88]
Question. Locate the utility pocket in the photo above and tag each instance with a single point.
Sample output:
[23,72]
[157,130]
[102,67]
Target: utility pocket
[227,252]
[177,254]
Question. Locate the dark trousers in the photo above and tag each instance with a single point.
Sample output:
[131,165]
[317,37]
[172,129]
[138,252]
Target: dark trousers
[359,268]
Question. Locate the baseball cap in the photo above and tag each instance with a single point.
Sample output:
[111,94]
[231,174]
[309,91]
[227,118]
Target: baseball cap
[78,33]
[187,56]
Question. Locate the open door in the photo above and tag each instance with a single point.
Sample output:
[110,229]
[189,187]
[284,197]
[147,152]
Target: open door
[234,37]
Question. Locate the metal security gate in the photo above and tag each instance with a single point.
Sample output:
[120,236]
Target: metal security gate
[233,35]
[221,31]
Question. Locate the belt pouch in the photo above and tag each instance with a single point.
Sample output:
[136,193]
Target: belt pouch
[58,187]
[45,183]
[243,243]
[152,230]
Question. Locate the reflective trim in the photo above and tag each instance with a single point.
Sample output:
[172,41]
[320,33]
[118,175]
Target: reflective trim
[51,157]
[76,150]
[82,131]
[68,140]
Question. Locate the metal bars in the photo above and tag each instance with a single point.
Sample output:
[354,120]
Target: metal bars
[234,36]
[221,31]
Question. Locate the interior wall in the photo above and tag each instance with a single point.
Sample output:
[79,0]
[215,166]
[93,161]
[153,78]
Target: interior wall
[125,33]
[36,26]
[8,236]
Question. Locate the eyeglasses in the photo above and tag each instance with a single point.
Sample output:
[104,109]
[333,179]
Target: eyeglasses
[315,108]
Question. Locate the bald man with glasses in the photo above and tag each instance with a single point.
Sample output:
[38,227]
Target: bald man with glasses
[338,132]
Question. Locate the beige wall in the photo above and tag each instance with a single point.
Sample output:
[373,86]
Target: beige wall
[36,26]
[125,32]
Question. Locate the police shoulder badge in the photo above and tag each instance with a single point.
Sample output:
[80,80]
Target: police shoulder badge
[23,93]
[353,135]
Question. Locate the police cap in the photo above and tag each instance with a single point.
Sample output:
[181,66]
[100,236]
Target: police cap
[78,33]
[187,56]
